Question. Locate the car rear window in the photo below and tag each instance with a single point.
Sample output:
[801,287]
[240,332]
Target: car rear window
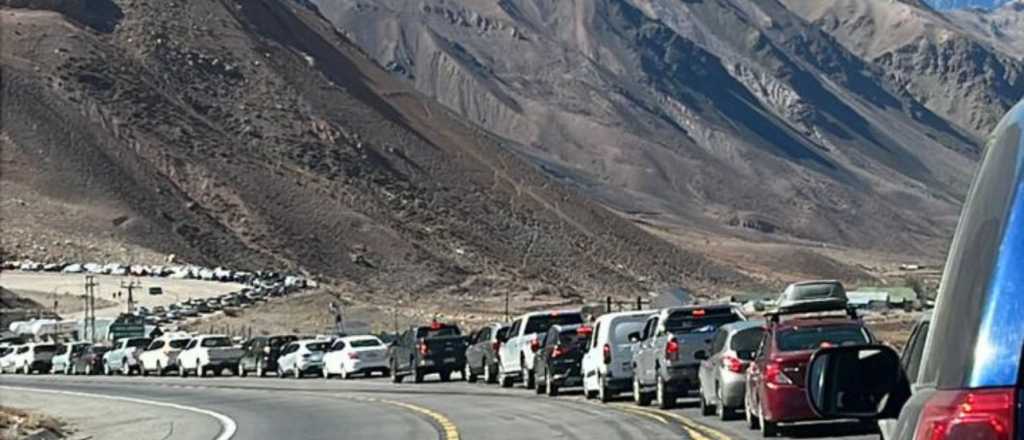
[811,338]
[706,322]
[277,341]
[318,346]
[747,340]
[216,342]
[46,349]
[99,350]
[179,343]
[448,330]
[363,343]
[502,333]
[541,323]
[623,328]
[137,343]
[571,338]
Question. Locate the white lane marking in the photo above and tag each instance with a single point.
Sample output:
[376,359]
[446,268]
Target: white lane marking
[228,425]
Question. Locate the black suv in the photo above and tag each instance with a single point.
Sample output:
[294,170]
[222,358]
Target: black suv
[970,382]
[559,361]
[437,348]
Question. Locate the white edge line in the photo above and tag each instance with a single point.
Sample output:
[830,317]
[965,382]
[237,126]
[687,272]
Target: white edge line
[228,425]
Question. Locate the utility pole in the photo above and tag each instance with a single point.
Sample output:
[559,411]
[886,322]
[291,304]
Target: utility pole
[133,284]
[506,305]
[90,307]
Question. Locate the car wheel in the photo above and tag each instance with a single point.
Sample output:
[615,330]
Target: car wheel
[74,370]
[549,385]
[181,371]
[769,429]
[107,370]
[706,409]
[326,374]
[446,376]
[417,376]
[528,379]
[240,372]
[724,414]
[488,374]
[640,397]
[143,371]
[200,371]
[281,373]
[665,398]
[67,370]
[467,373]
[751,421]
[603,394]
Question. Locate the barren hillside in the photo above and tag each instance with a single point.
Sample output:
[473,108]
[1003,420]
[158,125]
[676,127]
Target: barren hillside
[251,134]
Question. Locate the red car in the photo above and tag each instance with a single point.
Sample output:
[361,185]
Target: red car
[775,381]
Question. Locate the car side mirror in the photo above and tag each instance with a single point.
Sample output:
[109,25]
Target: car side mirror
[864,381]
[634,337]
[701,355]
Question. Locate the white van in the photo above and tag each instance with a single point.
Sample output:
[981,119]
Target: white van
[608,363]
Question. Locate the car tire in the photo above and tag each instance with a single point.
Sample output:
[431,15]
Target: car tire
[769,429]
[467,373]
[528,380]
[143,371]
[640,397]
[504,380]
[724,414]
[751,421]
[385,373]
[489,376]
[417,376]
[182,372]
[549,385]
[604,395]
[74,370]
[665,398]
[706,409]
[67,370]
[446,376]
[106,369]
[126,370]
[88,369]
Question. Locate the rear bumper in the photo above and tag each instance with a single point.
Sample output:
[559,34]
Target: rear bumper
[681,378]
[618,384]
[786,404]
[733,389]
[444,364]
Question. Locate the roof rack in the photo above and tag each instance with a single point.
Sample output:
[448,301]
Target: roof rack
[810,307]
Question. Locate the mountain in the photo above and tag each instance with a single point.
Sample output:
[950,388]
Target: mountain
[959,77]
[253,135]
[732,117]
[1003,27]
[963,4]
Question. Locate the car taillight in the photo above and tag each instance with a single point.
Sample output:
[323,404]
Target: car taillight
[978,415]
[672,350]
[558,351]
[353,355]
[773,374]
[424,350]
[733,364]
[534,345]
[495,346]
[607,352]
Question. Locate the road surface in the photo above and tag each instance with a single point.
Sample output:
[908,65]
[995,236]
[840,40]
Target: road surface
[272,408]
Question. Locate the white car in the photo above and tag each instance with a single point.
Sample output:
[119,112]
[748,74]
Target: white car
[517,352]
[161,356]
[33,357]
[301,357]
[208,354]
[7,356]
[66,355]
[356,355]
[608,363]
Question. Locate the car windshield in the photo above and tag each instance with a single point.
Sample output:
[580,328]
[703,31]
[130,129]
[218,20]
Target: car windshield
[363,343]
[541,323]
[137,343]
[747,340]
[179,343]
[216,342]
[812,338]
[624,328]
[317,346]
[685,322]
[46,349]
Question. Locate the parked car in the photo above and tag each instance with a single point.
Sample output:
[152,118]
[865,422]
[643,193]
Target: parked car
[7,362]
[776,390]
[302,357]
[482,352]
[203,308]
[208,354]
[261,353]
[517,353]
[124,357]
[608,362]
[557,363]
[188,312]
[356,355]
[665,364]
[35,358]
[436,348]
[723,369]
[65,356]
[161,357]
[969,384]
[90,361]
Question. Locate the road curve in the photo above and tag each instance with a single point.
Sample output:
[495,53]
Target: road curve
[375,409]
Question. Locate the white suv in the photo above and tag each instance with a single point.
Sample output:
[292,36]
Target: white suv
[608,362]
[515,356]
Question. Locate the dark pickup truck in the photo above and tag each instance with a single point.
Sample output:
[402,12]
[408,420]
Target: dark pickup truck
[419,351]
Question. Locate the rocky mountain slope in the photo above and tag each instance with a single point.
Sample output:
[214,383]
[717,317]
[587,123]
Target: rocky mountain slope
[1002,27]
[251,134]
[733,117]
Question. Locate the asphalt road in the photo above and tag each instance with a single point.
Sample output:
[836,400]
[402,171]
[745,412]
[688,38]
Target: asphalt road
[376,409]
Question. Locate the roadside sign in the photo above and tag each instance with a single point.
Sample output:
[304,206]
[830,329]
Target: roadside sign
[120,330]
[156,291]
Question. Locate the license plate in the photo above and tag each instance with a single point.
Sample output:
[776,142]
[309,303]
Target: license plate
[450,360]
